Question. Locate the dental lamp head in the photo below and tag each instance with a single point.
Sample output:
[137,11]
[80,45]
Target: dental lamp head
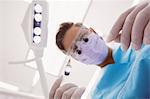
[35,24]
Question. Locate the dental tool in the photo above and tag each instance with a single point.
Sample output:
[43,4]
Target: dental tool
[68,68]
[66,60]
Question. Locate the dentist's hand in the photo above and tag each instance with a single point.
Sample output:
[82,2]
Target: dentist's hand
[133,26]
[66,91]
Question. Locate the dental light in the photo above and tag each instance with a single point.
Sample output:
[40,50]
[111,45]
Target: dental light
[39,25]
[38,17]
[35,29]
[38,8]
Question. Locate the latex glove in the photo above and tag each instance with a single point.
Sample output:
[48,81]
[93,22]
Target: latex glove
[66,91]
[133,26]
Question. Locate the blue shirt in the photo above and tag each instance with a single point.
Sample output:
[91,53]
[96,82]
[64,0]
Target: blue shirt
[128,78]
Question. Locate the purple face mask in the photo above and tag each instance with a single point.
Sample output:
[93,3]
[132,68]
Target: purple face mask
[91,50]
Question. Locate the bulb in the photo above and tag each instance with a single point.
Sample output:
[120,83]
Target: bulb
[37,39]
[38,8]
[37,30]
[38,17]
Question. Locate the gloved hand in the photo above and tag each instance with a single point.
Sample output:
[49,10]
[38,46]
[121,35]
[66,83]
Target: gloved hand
[133,26]
[66,91]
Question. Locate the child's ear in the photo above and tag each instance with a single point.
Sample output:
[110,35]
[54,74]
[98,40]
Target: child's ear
[92,30]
